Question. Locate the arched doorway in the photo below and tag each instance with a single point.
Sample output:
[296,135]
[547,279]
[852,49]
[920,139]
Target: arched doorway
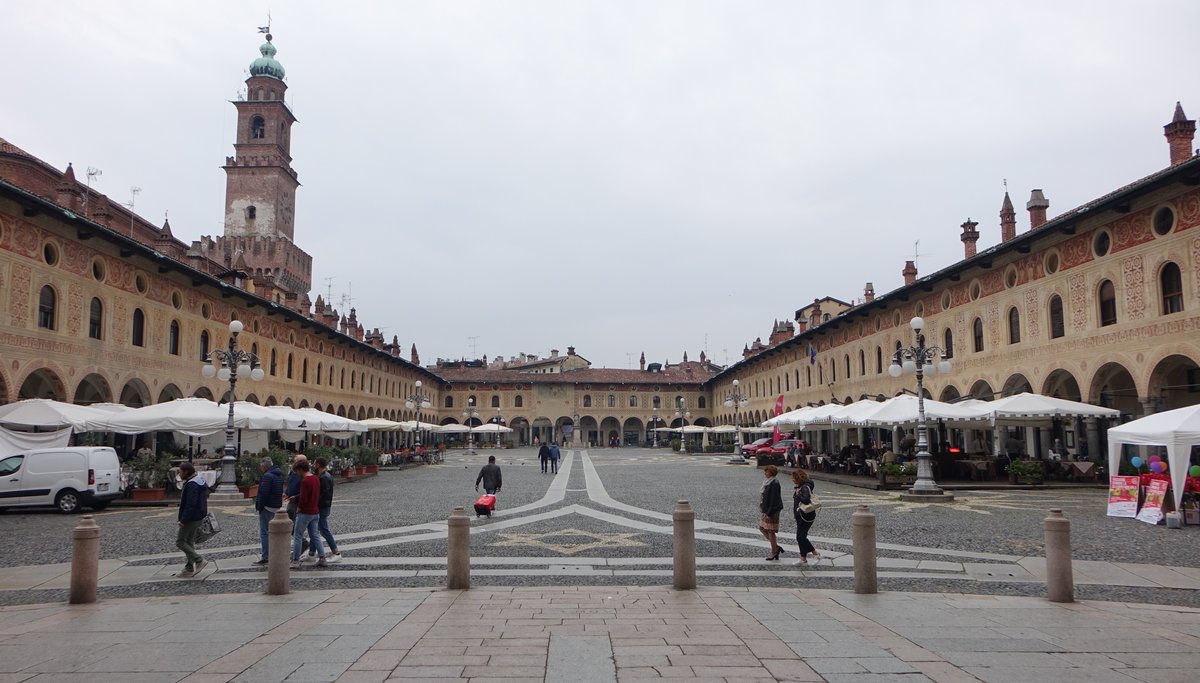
[42,384]
[610,432]
[1061,384]
[633,432]
[590,429]
[543,430]
[1017,384]
[982,391]
[1113,387]
[204,392]
[949,393]
[93,389]
[520,427]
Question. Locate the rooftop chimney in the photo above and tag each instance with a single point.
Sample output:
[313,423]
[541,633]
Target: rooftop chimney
[1008,220]
[1179,134]
[1037,206]
[909,273]
[970,235]
[868,293]
[642,362]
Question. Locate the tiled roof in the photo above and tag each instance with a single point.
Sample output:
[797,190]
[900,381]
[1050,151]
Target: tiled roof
[583,376]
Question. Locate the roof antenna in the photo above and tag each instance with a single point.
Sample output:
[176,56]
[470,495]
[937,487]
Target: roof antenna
[92,174]
[133,193]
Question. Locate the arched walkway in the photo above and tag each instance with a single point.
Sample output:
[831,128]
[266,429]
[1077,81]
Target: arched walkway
[1174,383]
[610,432]
[93,389]
[169,393]
[520,427]
[1113,387]
[1017,384]
[43,383]
[205,392]
[135,394]
[543,429]
[982,391]
[949,393]
[633,432]
[1061,384]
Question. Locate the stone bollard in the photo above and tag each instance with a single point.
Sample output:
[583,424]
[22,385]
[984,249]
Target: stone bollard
[865,558]
[1060,581]
[279,539]
[458,552]
[85,561]
[685,546]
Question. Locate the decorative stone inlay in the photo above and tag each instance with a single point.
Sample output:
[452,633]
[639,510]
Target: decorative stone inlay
[1079,307]
[598,540]
[19,296]
[1134,276]
[1033,313]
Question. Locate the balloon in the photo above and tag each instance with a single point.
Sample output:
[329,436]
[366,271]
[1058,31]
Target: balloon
[1194,471]
[1136,461]
[1156,467]
[1155,458]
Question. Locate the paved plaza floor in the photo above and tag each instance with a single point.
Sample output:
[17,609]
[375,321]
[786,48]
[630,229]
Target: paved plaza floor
[577,563]
[598,634]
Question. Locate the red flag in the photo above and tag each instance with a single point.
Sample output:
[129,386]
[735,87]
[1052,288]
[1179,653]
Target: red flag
[778,411]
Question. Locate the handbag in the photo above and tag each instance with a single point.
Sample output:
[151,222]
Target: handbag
[209,527]
[813,505]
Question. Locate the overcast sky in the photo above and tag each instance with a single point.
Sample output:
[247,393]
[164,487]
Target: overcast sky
[501,177]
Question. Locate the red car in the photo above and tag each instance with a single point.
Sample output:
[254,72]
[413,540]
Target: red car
[779,448]
[753,447]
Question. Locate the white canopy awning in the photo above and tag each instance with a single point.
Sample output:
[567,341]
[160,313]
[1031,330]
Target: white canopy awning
[189,416]
[902,409]
[1177,429]
[454,428]
[378,424]
[1035,406]
[491,428]
[44,412]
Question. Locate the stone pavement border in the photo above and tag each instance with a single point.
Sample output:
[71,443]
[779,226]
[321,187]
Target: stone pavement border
[598,634]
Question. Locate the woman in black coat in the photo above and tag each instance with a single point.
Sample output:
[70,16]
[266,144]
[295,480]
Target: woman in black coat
[802,495]
[770,503]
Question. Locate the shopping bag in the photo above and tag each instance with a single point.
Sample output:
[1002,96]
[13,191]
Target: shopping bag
[209,527]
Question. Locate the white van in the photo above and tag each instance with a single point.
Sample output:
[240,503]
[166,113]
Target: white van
[68,478]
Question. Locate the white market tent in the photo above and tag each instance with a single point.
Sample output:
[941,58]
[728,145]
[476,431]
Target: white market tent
[1177,429]
[454,428]
[189,416]
[378,424]
[903,409]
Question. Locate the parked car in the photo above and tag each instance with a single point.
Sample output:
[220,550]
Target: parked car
[752,447]
[778,448]
[69,478]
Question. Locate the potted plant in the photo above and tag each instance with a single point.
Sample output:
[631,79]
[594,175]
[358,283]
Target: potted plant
[150,477]
[1025,472]
[248,474]
[367,459]
[895,475]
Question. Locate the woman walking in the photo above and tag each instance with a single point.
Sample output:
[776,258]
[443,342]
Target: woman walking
[770,503]
[802,495]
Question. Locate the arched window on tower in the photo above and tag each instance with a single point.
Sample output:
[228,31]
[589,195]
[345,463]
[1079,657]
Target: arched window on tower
[587,400]
[173,338]
[495,401]
[449,401]
[204,350]
[258,128]
[519,401]
[96,319]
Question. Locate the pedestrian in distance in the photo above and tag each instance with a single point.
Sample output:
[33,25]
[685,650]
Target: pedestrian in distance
[554,456]
[308,514]
[770,503]
[193,508]
[544,457]
[267,503]
[489,474]
[324,506]
[802,496]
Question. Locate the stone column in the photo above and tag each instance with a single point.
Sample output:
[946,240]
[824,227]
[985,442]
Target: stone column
[684,561]
[279,540]
[1060,581]
[1095,448]
[85,561]
[458,553]
[865,558]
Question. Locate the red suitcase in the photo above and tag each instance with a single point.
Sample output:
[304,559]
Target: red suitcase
[484,505]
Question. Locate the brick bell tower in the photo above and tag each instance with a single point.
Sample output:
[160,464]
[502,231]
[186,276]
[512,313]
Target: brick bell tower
[260,183]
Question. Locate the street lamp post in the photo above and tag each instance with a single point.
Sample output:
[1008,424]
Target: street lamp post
[231,363]
[736,400]
[499,421]
[654,424]
[468,414]
[919,359]
[576,432]
[417,402]
[684,415]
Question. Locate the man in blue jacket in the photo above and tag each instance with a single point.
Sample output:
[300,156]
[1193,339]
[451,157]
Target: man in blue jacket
[268,502]
[193,508]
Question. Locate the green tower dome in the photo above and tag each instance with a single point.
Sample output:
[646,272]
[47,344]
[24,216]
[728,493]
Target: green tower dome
[267,64]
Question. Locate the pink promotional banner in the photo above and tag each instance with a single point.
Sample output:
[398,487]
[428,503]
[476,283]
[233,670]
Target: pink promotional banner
[1123,496]
[778,411]
[1151,512]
